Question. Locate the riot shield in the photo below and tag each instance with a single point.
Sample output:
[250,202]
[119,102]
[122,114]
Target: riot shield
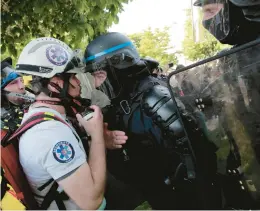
[223,92]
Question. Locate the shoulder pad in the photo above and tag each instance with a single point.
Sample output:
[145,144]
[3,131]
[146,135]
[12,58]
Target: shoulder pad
[152,63]
[150,82]
[158,104]
[155,97]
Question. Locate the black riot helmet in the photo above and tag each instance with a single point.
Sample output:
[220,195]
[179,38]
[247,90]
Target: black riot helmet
[115,54]
[231,21]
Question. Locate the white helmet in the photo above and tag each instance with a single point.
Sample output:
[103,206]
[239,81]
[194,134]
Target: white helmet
[46,57]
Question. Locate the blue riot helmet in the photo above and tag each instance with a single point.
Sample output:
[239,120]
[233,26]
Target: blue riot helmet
[231,21]
[115,54]
[7,72]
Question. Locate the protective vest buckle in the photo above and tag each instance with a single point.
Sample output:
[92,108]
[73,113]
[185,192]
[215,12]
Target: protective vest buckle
[125,106]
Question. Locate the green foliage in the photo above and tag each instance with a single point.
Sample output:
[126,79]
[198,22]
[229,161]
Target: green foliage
[75,22]
[154,44]
[144,206]
[206,47]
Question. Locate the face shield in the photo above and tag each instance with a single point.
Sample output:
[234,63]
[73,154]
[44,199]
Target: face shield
[89,91]
[115,67]
[215,17]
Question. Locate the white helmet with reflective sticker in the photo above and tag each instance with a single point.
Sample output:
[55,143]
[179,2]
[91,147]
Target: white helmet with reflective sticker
[46,57]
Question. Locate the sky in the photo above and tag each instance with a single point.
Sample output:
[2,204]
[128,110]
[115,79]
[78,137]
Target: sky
[140,14]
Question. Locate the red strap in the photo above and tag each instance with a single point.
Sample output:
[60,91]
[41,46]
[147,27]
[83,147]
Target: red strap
[39,117]
[28,120]
[12,192]
[26,123]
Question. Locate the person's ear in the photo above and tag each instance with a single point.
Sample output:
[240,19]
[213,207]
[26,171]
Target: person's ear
[100,77]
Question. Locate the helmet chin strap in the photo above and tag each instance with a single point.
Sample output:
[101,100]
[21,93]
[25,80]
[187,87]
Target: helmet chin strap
[71,104]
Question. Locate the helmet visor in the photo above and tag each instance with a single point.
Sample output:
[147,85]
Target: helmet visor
[112,65]
[111,86]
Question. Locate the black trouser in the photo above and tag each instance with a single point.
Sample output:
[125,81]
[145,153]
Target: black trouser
[143,174]
[121,196]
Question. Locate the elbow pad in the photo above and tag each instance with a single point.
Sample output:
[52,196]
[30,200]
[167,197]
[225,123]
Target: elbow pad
[158,104]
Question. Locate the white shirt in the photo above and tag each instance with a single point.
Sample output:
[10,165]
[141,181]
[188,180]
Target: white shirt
[49,150]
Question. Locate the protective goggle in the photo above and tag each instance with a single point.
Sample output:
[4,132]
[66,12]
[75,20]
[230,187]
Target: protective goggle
[119,61]
[12,76]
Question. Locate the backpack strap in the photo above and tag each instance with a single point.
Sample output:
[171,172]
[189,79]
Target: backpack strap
[34,120]
[53,194]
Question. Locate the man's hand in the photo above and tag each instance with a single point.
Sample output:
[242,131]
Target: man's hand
[114,139]
[94,126]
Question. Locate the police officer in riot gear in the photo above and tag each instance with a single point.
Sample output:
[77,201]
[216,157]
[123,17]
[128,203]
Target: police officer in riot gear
[233,22]
[226,91]
[14,97]
[13,103]
[157,158]
[236,22]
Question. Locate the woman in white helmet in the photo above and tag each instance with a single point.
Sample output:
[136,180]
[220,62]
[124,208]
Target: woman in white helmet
[52,152]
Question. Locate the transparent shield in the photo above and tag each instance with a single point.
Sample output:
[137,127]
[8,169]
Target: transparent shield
[226,92]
